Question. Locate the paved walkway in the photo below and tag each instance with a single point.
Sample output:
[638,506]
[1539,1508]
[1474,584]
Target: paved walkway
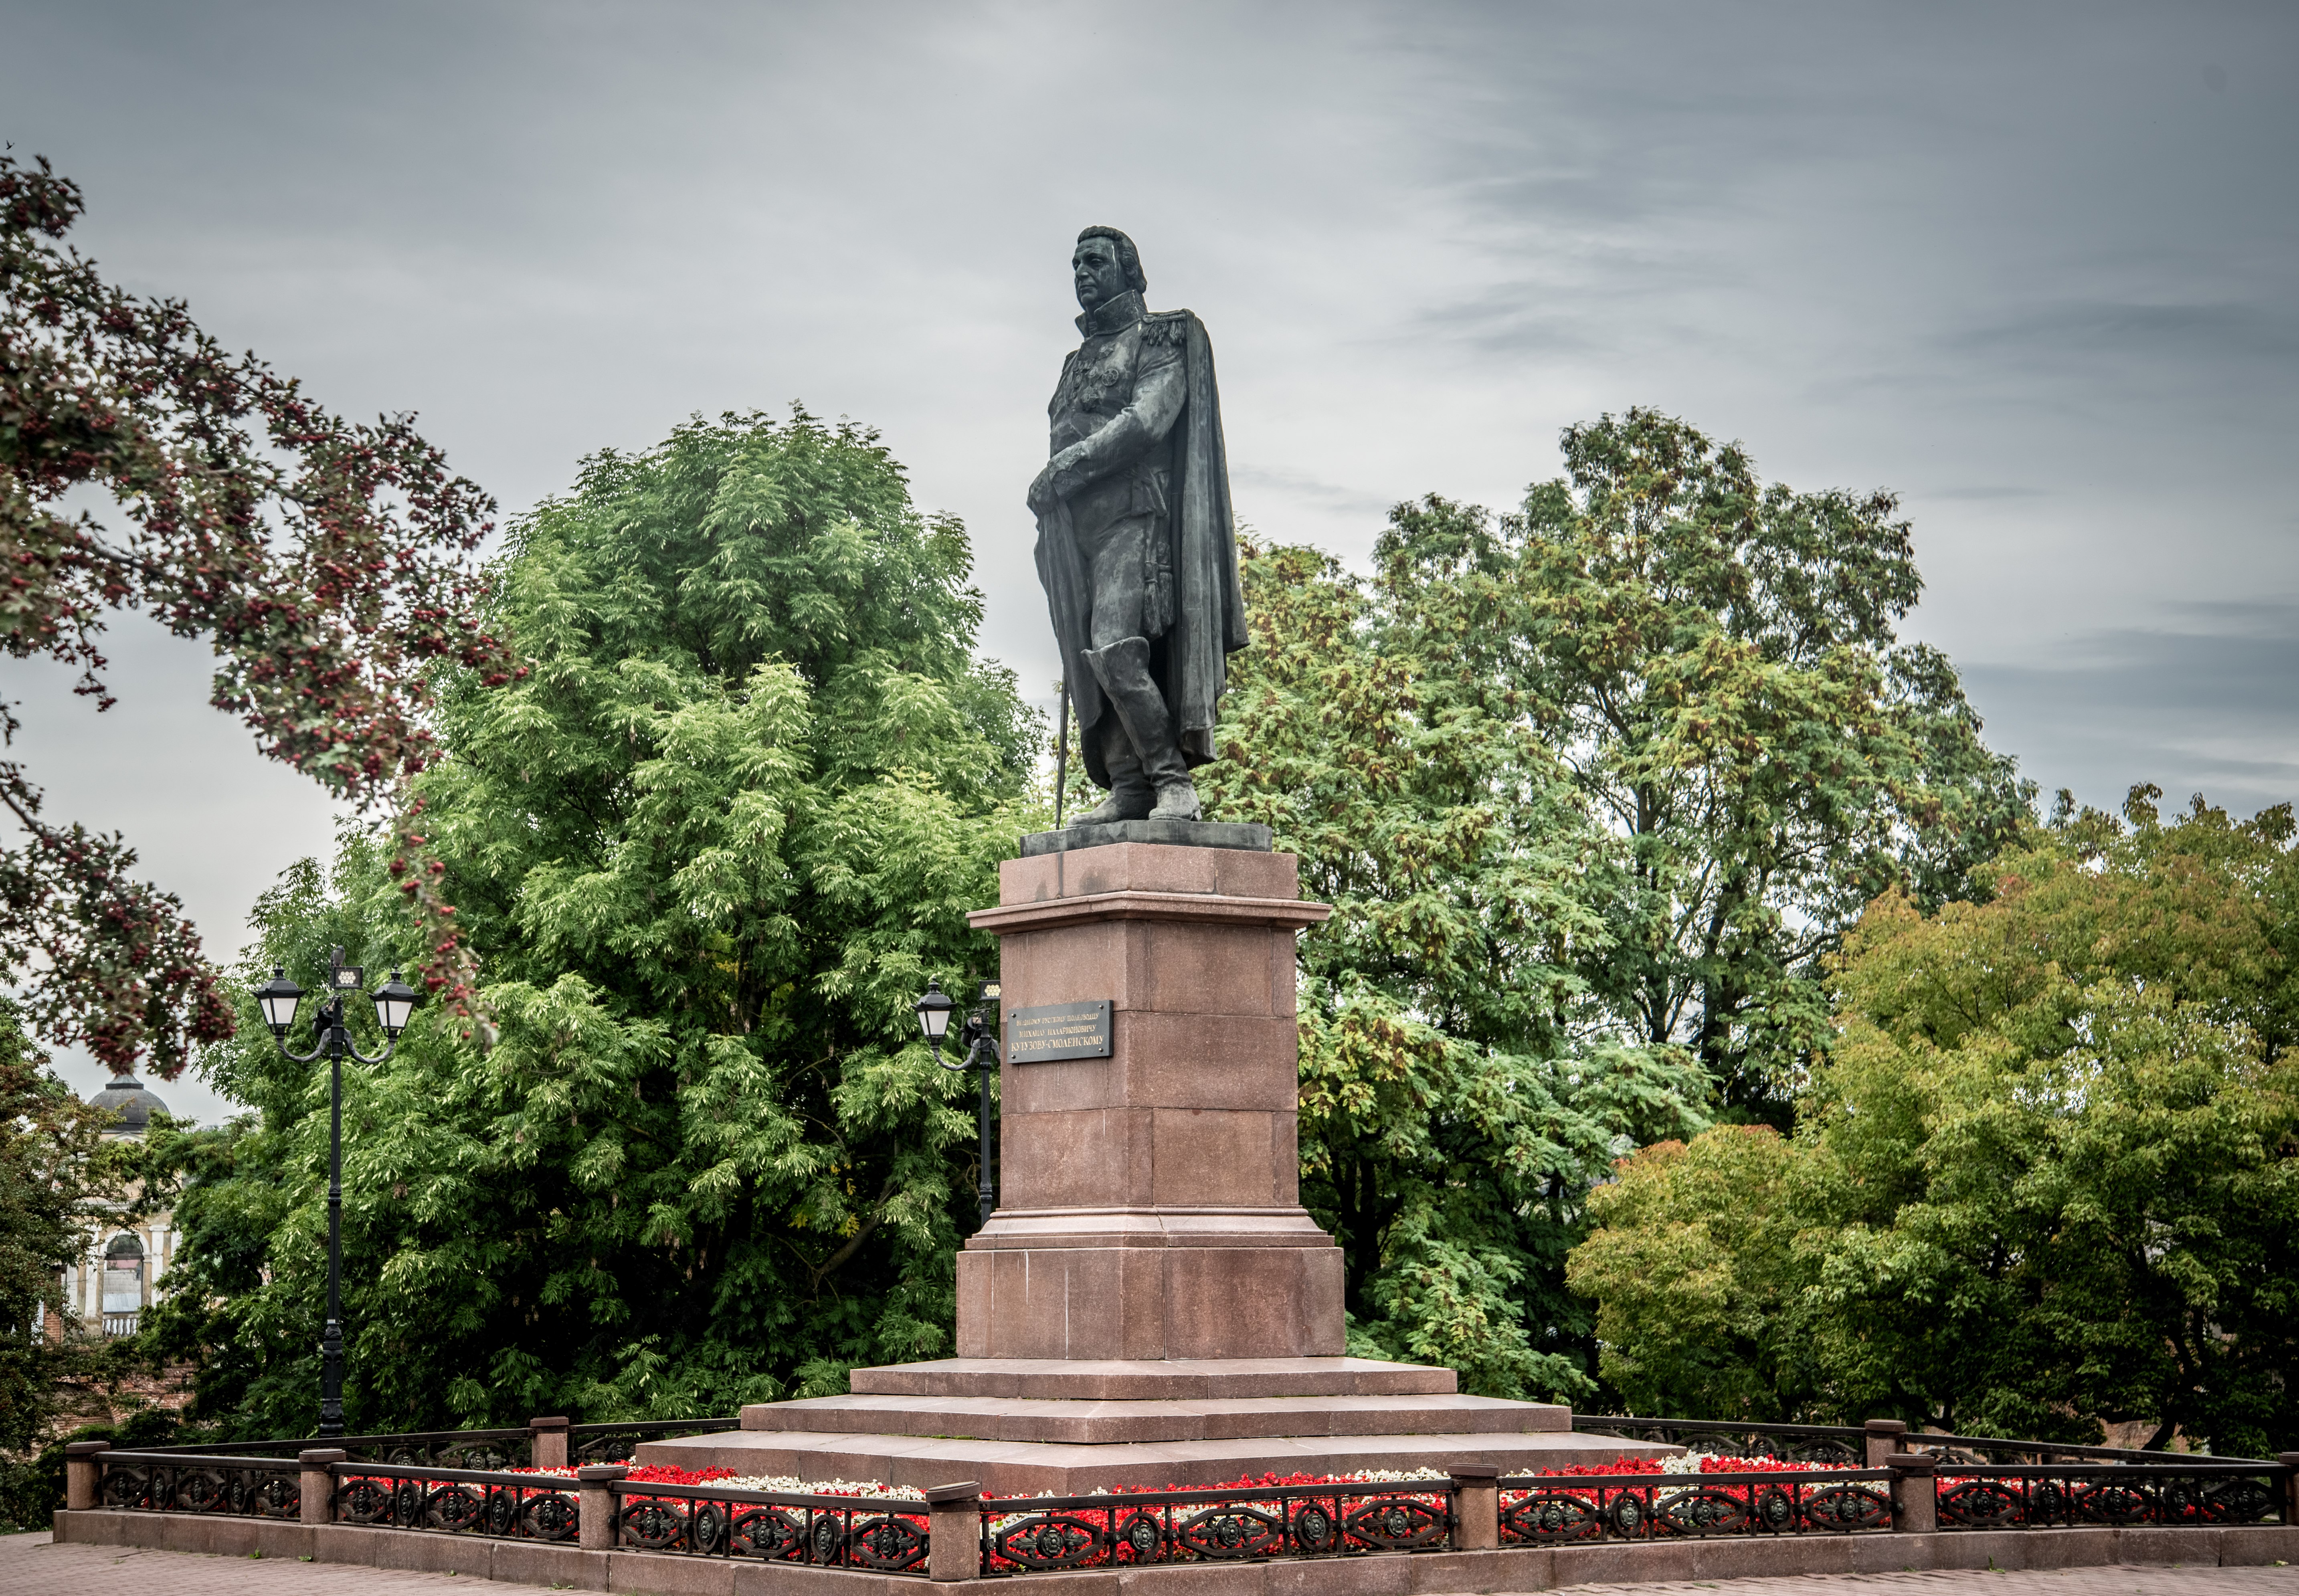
[31,1566]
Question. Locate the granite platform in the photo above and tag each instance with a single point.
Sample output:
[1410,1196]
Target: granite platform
[1021,1468]
[1150,1304]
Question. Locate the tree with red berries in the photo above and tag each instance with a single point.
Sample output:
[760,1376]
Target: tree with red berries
[328,561]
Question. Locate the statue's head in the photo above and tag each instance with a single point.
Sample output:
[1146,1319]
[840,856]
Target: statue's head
[1104,265]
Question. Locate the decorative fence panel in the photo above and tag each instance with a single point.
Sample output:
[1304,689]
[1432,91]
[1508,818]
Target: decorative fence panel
[888,1535]
[1140,1528]
[1552,1509]
[620,1443]
[2172,1495]
[475,1449]
[1844,1444]
[445,1449]
[193,1482]
[1989,1452]
[1829,1445]
[508,1507]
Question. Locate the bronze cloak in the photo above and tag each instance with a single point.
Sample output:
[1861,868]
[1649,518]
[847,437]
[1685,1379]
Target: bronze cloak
[1191,661]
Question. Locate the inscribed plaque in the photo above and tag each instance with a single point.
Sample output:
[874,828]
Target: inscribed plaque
[1058,1031]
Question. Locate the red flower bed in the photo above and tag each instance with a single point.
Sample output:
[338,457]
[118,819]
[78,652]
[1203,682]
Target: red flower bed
[1708,1465]
[1247,1482]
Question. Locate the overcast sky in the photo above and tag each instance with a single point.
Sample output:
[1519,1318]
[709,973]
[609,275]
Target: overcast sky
[2031,266]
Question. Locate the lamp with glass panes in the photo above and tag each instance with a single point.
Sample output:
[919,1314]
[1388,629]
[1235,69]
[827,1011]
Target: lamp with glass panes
[980,1036]
[394,1001]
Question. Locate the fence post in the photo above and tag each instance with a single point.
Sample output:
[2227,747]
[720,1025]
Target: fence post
[1915,1509]
[597,1529]
[1883,1439]
[316,1483]
[954,1531]
[2290,1461]
[1476,1506]
[83,1469]
[547,1442]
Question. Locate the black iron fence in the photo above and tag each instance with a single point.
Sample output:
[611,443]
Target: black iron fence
[1140,1528]
[474,1449]
[999,1537]
[156,1482]
[444,1449]
[887,1534]
[618,1442]
[1552,1509]
[462,1502]
[2172,1495]
[1845,1445]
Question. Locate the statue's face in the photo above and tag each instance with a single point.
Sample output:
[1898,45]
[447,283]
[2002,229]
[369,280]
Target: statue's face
[1096,271]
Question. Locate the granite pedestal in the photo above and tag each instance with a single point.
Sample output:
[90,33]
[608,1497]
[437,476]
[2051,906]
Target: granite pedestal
[1150,1304]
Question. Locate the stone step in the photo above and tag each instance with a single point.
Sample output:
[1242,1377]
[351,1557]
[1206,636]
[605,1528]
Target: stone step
[1166,1379]
[1008,1467]
[1206,1419]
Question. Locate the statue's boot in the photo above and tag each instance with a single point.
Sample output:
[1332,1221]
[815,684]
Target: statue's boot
[1123,669]
[1131,795]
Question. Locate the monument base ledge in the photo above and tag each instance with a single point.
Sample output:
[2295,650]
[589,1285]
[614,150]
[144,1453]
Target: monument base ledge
[1152,1379]
[1166,833]
[1200,1418]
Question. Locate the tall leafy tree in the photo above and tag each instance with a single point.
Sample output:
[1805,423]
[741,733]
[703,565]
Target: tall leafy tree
[1714,659]
[708,851]
[326,561]
[1460,1090]
[2047,1177]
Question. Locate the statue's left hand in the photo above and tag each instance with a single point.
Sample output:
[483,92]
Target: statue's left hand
[1041,490]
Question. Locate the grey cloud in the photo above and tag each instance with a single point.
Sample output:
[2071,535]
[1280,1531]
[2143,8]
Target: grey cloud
[1299,485]
[1507,321]
[2202,704]
[2215,334]
[2028,253]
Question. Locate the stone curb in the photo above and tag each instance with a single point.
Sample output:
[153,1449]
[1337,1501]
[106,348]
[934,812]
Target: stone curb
[1397,1574]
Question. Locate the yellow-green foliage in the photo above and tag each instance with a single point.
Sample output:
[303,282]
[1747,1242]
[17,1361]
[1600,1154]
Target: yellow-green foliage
[2047,1175]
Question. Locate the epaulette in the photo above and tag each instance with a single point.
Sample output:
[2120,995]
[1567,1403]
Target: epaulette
[1166,327]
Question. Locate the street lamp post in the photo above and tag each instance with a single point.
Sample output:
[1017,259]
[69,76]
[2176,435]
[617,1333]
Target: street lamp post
[394,1001]
[981,1038]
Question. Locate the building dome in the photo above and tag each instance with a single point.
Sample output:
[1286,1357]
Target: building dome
[132,1101]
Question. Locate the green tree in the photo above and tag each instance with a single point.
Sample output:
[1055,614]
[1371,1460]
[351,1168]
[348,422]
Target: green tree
[1459,1089]
[1694,1261]
[2047,1177]
[55,1168]
[708,850]
[1714,658]
[327,561]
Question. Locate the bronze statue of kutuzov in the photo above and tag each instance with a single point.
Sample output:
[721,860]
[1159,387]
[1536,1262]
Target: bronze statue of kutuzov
[1136,547]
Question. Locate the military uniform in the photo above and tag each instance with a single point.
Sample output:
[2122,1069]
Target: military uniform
[1114,409]
[1112,445]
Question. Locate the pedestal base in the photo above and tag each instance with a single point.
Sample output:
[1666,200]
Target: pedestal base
[1150,1285]
[1026,1425]
[1150,1304]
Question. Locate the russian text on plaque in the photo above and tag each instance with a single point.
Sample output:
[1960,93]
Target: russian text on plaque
[1054,1031]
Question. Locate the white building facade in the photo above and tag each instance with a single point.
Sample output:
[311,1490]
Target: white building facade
[109,1289]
